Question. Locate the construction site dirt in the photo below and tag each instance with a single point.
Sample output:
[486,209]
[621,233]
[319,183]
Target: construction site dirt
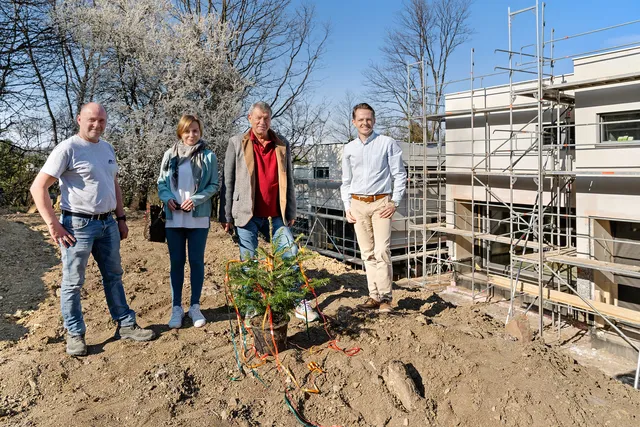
[436,360]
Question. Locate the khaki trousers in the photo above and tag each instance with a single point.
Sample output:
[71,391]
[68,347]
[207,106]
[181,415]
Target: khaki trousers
[374,238]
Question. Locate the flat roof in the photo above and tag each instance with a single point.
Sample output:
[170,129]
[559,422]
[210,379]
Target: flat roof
[583,84]
[458,113]
[505,85]
[608,52]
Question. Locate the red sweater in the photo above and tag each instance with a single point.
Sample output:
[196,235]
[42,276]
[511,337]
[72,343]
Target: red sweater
[266,197]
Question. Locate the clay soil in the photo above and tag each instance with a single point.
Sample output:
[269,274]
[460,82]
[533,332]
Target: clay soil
[466,370]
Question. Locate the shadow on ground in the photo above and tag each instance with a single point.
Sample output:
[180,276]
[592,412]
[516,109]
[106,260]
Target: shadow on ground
[429,307]
[348,285]
[627,378]
[21,285]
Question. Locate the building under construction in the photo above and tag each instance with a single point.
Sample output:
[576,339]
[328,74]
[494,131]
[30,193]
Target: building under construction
[532,191]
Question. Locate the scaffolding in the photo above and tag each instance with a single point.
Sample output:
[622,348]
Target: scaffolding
[464,206]
[548,259]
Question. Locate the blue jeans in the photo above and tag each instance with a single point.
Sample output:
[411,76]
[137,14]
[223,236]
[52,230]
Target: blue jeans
[101,239]
[178,239]
[248,237]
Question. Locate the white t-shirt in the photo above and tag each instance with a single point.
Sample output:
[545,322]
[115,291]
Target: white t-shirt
[86,171]
[186,187]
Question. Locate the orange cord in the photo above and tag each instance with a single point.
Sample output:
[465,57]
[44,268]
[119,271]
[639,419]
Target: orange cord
[250,353]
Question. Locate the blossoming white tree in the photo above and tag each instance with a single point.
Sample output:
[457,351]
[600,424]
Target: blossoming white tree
[149,61]
[154,64]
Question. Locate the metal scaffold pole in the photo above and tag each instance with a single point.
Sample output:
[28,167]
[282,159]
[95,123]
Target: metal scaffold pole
[511,177]
[539,38]
[473,196]
[425,162]
[410,184]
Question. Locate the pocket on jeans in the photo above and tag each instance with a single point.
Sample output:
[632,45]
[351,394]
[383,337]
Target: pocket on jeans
[75,223]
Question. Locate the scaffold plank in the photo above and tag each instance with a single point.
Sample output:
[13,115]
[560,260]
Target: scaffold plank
[594,264]
[611,311]
[548,95]
[483,236]
[429,253]
[534,257]
[546,173]
[597,81]
[394,258]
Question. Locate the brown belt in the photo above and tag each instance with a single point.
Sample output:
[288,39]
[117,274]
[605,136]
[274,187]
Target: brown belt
[368,199]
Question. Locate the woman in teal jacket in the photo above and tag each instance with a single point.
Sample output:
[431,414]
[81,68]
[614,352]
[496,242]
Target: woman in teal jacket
[188,178]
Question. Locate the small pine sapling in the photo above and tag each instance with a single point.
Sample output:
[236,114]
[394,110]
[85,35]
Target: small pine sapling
[274,280]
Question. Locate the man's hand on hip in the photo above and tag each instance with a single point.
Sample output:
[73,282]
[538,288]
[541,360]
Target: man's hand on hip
[123,229]
[350,217]
[388,211]
[60,235]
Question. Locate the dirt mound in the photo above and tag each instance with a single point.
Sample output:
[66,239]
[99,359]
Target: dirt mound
[465,370]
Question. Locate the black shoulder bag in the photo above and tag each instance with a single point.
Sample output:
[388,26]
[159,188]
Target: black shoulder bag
[154,224]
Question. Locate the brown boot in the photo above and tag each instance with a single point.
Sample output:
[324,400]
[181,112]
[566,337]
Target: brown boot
[385,307]
[369,304]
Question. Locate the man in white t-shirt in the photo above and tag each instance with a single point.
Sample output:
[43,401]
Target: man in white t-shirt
[87,170]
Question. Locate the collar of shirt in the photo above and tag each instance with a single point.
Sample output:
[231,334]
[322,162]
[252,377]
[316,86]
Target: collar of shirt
[267,144]
[369,139]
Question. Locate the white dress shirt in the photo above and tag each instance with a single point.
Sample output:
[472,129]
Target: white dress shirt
[371,167]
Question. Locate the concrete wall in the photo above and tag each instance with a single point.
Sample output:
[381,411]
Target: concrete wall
[604,197]
[590,103]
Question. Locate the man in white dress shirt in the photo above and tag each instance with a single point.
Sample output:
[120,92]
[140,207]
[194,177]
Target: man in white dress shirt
[373,184]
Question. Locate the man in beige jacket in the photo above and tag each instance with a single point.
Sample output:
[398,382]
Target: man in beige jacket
[258,185]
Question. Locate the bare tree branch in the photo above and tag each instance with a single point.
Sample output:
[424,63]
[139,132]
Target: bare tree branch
[429,31]
[342,130]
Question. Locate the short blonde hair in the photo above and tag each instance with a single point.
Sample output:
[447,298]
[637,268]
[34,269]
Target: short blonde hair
[185,122]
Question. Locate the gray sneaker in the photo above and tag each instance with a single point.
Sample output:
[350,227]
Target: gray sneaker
[76,345]
[135,332]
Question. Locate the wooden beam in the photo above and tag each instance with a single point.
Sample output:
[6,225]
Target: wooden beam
[608,310]
[483,236]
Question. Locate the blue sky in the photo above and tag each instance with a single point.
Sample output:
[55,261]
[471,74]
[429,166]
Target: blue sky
[358,28]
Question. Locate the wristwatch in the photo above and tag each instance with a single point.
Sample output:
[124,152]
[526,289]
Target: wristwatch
[396,204]
[121,218]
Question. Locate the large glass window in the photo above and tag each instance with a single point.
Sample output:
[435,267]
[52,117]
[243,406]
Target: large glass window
[620,127]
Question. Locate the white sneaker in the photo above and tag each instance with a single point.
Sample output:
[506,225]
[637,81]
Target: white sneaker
[177,313]
[196,316]
[304,311]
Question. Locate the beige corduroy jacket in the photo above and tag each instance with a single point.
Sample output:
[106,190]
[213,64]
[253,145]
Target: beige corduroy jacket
[237,198]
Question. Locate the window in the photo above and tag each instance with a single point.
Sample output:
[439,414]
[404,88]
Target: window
[550,133]
[626,250]
[620,127]
[321,172]
[548,136]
